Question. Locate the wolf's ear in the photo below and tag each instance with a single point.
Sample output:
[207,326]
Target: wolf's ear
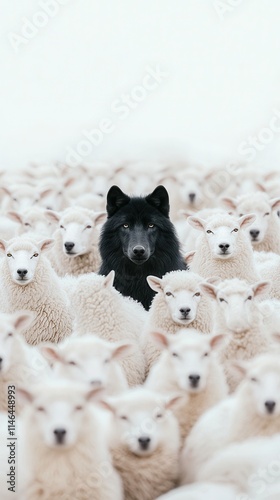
[115,200]
[159,199]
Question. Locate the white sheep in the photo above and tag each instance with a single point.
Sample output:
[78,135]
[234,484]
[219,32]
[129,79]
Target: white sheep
[188,366]
[63,450]
[100,309]
[32,220]
[76,241]
[253,410]
[239,316]
[19,362]
[90,359]
[202,491]
[224,249]
[145,442]
[178,303]
[265,231]
[28,282]
[268,264]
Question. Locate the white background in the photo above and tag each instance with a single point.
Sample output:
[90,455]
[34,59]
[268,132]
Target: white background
[223,81]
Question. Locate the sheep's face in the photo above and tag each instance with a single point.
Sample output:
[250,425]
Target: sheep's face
[142,420]
[190,354]
[22,257]
[22,197]
[32,220]
[87,359]
[236,301]
[191,192]
[58,414]
[78,230]
[264,384]
[182,304]
[222,233]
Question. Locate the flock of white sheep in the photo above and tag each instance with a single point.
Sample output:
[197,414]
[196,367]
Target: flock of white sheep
[181,402]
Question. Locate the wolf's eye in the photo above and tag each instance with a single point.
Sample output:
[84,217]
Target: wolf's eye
[235,229]
[209,231]
[151,225]
[9,255]
[126,226]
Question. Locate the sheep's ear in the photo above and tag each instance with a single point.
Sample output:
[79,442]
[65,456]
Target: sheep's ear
[172,401]
[229,203]
[276,337]
[213,280]
[46,192]
[22,320]
[95,394]
[189,257]
[109,279]
[99,217]
[108,404]
[246,220]
[209,289]
[6,190]
[69,182]
[160,338]
[3,245]
[261,187]
[196,222]
[217,341]
[154,283]
[52,215]
[15,216]
[261,288]
[274,203]
[24,396]
[116,199]
[185,213]
[122,350]
[44,245]
[239,367]
[51,353]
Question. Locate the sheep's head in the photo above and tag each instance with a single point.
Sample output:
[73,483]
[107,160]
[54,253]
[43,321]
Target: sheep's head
[87,358]
[32,220]
[22,197]
[263,208]
[23,255]
[191,190]
[57,412]
[222,232]
[78,229]
[262,382]
[189,353]
[236,301]
[10,326]
[142,420]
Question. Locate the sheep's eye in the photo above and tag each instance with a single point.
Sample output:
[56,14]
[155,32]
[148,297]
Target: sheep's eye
[175,355]
[168,294]
[88,227]
[267,213]
[73,363]
[27,224]
[240,215]
[62,227]
[235,229]
[222,300]
[40,408]
[151,225]
[126,226]
[253,379]
[123,417]
[9,255]
[10,334]
[106,360]
[78,408]
[209,231]
[159,415]
[36,255]
[15,199]
[197,294]
[250,297]
[206,354]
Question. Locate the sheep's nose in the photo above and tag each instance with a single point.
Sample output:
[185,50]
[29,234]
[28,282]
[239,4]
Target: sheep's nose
[59,435]
[22,272]
[144,442]
[270,405]
[96,383]
[192,197]
[194,380]
[138,251]
[69,245]
[254,233]
[185,311]
[224,247]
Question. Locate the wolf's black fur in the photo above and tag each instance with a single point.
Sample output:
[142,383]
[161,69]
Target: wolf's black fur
[138,240]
